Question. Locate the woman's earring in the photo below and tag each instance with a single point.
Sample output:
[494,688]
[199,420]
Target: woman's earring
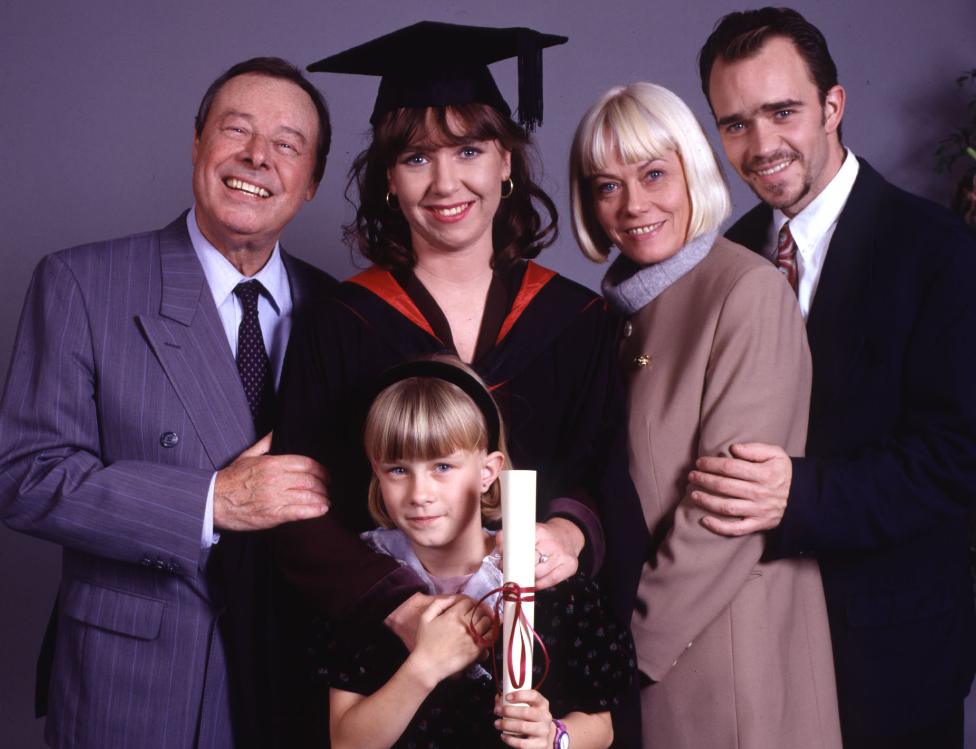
[393,206]
[510,185]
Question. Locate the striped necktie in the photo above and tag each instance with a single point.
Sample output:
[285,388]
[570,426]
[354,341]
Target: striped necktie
[786,256]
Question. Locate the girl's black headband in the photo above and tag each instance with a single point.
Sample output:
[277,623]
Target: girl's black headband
[456,376]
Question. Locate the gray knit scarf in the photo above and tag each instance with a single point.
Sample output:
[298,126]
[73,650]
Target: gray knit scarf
[629,286]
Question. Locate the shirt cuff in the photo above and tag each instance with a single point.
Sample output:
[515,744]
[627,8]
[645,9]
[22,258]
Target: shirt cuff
[208,536]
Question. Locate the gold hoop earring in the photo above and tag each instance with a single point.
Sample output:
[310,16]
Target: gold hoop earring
[511,188]
[395,208]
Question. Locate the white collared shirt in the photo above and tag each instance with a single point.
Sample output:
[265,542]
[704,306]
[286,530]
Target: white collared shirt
[274,315]
[813,228]
[222,277]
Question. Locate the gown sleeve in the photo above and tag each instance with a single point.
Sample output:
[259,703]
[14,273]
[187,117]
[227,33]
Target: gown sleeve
[567,419]
[329,358]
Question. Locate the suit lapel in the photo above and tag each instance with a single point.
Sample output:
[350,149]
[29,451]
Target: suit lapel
[837,323]
[189,341]
[752,229]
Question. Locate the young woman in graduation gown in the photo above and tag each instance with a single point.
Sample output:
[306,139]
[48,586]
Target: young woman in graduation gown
[450,217]
[738,647]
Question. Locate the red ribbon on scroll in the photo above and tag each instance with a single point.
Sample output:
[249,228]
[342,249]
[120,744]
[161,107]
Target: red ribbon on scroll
[511,593]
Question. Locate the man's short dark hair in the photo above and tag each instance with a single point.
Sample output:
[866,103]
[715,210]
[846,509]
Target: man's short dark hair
[741,35]
[275,67]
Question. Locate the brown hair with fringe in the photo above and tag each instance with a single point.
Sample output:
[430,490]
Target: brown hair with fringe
[382,234]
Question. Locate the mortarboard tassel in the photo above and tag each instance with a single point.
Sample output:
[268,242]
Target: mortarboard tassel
[529,81]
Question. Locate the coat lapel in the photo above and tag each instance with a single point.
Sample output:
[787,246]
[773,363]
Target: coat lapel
[189,342]
[752,229]
[837,323]
[838,320]
[296,280]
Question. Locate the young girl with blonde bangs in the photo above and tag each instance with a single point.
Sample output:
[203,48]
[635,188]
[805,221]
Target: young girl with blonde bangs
[436,446]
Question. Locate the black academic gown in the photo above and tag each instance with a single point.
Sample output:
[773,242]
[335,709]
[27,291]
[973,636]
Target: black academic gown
[551,369]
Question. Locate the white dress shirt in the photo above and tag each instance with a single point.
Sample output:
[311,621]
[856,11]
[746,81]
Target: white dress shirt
[813,228]
[274,315]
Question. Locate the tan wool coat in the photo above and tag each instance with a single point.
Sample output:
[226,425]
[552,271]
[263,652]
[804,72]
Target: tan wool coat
[740,647]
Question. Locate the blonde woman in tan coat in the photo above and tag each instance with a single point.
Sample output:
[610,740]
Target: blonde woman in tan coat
[736,648]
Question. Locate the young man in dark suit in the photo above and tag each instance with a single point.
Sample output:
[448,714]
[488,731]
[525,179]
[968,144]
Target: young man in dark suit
[133,432]
[886,282]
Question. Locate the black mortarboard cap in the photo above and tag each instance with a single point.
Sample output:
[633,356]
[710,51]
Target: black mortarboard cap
[433,64]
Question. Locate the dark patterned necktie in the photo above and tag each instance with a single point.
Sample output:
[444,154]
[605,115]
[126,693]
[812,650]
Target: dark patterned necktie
[252,358]
[786,256]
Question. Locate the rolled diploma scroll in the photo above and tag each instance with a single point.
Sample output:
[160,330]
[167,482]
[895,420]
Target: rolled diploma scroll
[519,556]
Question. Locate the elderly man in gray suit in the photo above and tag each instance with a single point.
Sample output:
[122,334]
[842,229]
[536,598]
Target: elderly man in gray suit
[133,428]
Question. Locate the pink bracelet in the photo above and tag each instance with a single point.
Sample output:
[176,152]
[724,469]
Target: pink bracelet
[561,740]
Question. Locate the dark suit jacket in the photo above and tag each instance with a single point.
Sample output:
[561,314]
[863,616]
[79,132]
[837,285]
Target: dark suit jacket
[883,496]
[122,400]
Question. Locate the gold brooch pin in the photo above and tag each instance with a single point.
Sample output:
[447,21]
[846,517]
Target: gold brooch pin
[642,360]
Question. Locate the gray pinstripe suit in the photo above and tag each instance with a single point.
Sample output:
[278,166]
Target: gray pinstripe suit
[121,401]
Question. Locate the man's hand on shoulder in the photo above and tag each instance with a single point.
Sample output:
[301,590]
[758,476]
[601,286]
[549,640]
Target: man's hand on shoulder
[746,493]
[259,491]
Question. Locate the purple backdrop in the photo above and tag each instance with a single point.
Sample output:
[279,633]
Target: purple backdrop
[97,114]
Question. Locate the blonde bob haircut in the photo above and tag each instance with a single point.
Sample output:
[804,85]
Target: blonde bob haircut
[640,122]
[423,418]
